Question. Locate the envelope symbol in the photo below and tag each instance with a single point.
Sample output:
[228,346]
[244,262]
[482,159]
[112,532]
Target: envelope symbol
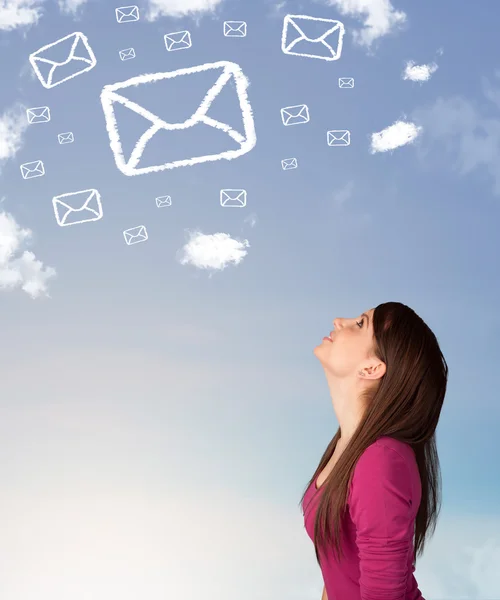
[40,114]
[62,60]
[178,40]
[135,235]
[339,137]
[233,198]
[346,82]
[163,201]
[66,138]
[235,29]
[300,37]
[240,138]
[289,163]
[127,54]
[127,14]
[294,115]
[32,169]
[77,207]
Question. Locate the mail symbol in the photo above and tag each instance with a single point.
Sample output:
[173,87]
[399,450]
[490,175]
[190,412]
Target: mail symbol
[40,114]
[226,75]
[289,163]
[32,169]
[178,40]
[77,207]
[346,82]
[339,137]
[163,201]
[135,235]
[127,14]
[66,138]
[233,198]
[294,115]
[62,60]
[299,37]
[235,29]
[127,54]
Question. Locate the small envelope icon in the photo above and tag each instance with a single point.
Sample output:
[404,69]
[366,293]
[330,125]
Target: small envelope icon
[127,14]
[300,37]
[289,163]
[32,169]
[294,115]
[339,137]
[66,138]
[62,60]
[127,54]
[346,82]
[178,40]
[40,114]
[235,29]
[233,198]
[135,235]
[77,207]
[163,201]
[227,76]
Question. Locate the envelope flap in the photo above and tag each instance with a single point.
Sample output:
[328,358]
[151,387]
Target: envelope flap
[311,29]
[155,97]
[127,11]
[59,53]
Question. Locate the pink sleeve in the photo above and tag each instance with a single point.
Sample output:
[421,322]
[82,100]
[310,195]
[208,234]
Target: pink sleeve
[380,507]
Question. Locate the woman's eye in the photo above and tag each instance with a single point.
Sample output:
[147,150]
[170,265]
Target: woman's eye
[360,323]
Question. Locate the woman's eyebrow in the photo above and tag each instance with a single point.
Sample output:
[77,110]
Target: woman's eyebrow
[367,317]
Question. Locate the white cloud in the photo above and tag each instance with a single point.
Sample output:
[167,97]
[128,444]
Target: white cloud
[379,18]
[214,252]
[13,124]
[180,8]
[71,6]
[20,269]
[415,72]
[251,220]
[19,13]
[396,135]
[465,131]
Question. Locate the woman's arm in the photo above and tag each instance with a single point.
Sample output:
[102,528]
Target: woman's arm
[324,596]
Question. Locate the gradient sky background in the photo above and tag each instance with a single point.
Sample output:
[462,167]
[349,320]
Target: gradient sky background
[159,424]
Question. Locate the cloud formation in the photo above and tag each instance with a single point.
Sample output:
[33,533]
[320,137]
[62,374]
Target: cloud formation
[215,252]
[20,269]
[396,135]
[180,8]
[379,17]
[19,13]
[414,72]
[13,124]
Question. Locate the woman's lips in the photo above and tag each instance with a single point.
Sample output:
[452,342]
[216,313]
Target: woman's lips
[328,339]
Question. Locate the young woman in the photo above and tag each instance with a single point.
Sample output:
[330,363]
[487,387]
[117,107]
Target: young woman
[375,495]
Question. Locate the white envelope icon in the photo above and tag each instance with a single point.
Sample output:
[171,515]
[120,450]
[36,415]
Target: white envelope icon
[127,14]
[233,198]
[127,54]
[235,29]
[289,163]
[339,137]
[300,37]
[66,138]
[32,169]
[62,60]
[39,114]
[163,201]
[77,207]
[225,73]
[135,235]
[178,40]
[294,115]
[346,82]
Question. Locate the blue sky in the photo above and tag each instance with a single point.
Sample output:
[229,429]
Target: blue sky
[161,420]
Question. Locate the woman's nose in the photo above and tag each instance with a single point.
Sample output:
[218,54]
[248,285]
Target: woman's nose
[337,323]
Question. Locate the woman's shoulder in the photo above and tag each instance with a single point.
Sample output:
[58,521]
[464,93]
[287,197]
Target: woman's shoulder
[386,448]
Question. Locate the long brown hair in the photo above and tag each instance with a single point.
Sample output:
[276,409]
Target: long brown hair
[405,405]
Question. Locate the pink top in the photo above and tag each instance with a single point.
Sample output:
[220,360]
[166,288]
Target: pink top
[378,528]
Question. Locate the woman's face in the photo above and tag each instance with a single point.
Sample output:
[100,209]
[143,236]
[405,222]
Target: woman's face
[343,351]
